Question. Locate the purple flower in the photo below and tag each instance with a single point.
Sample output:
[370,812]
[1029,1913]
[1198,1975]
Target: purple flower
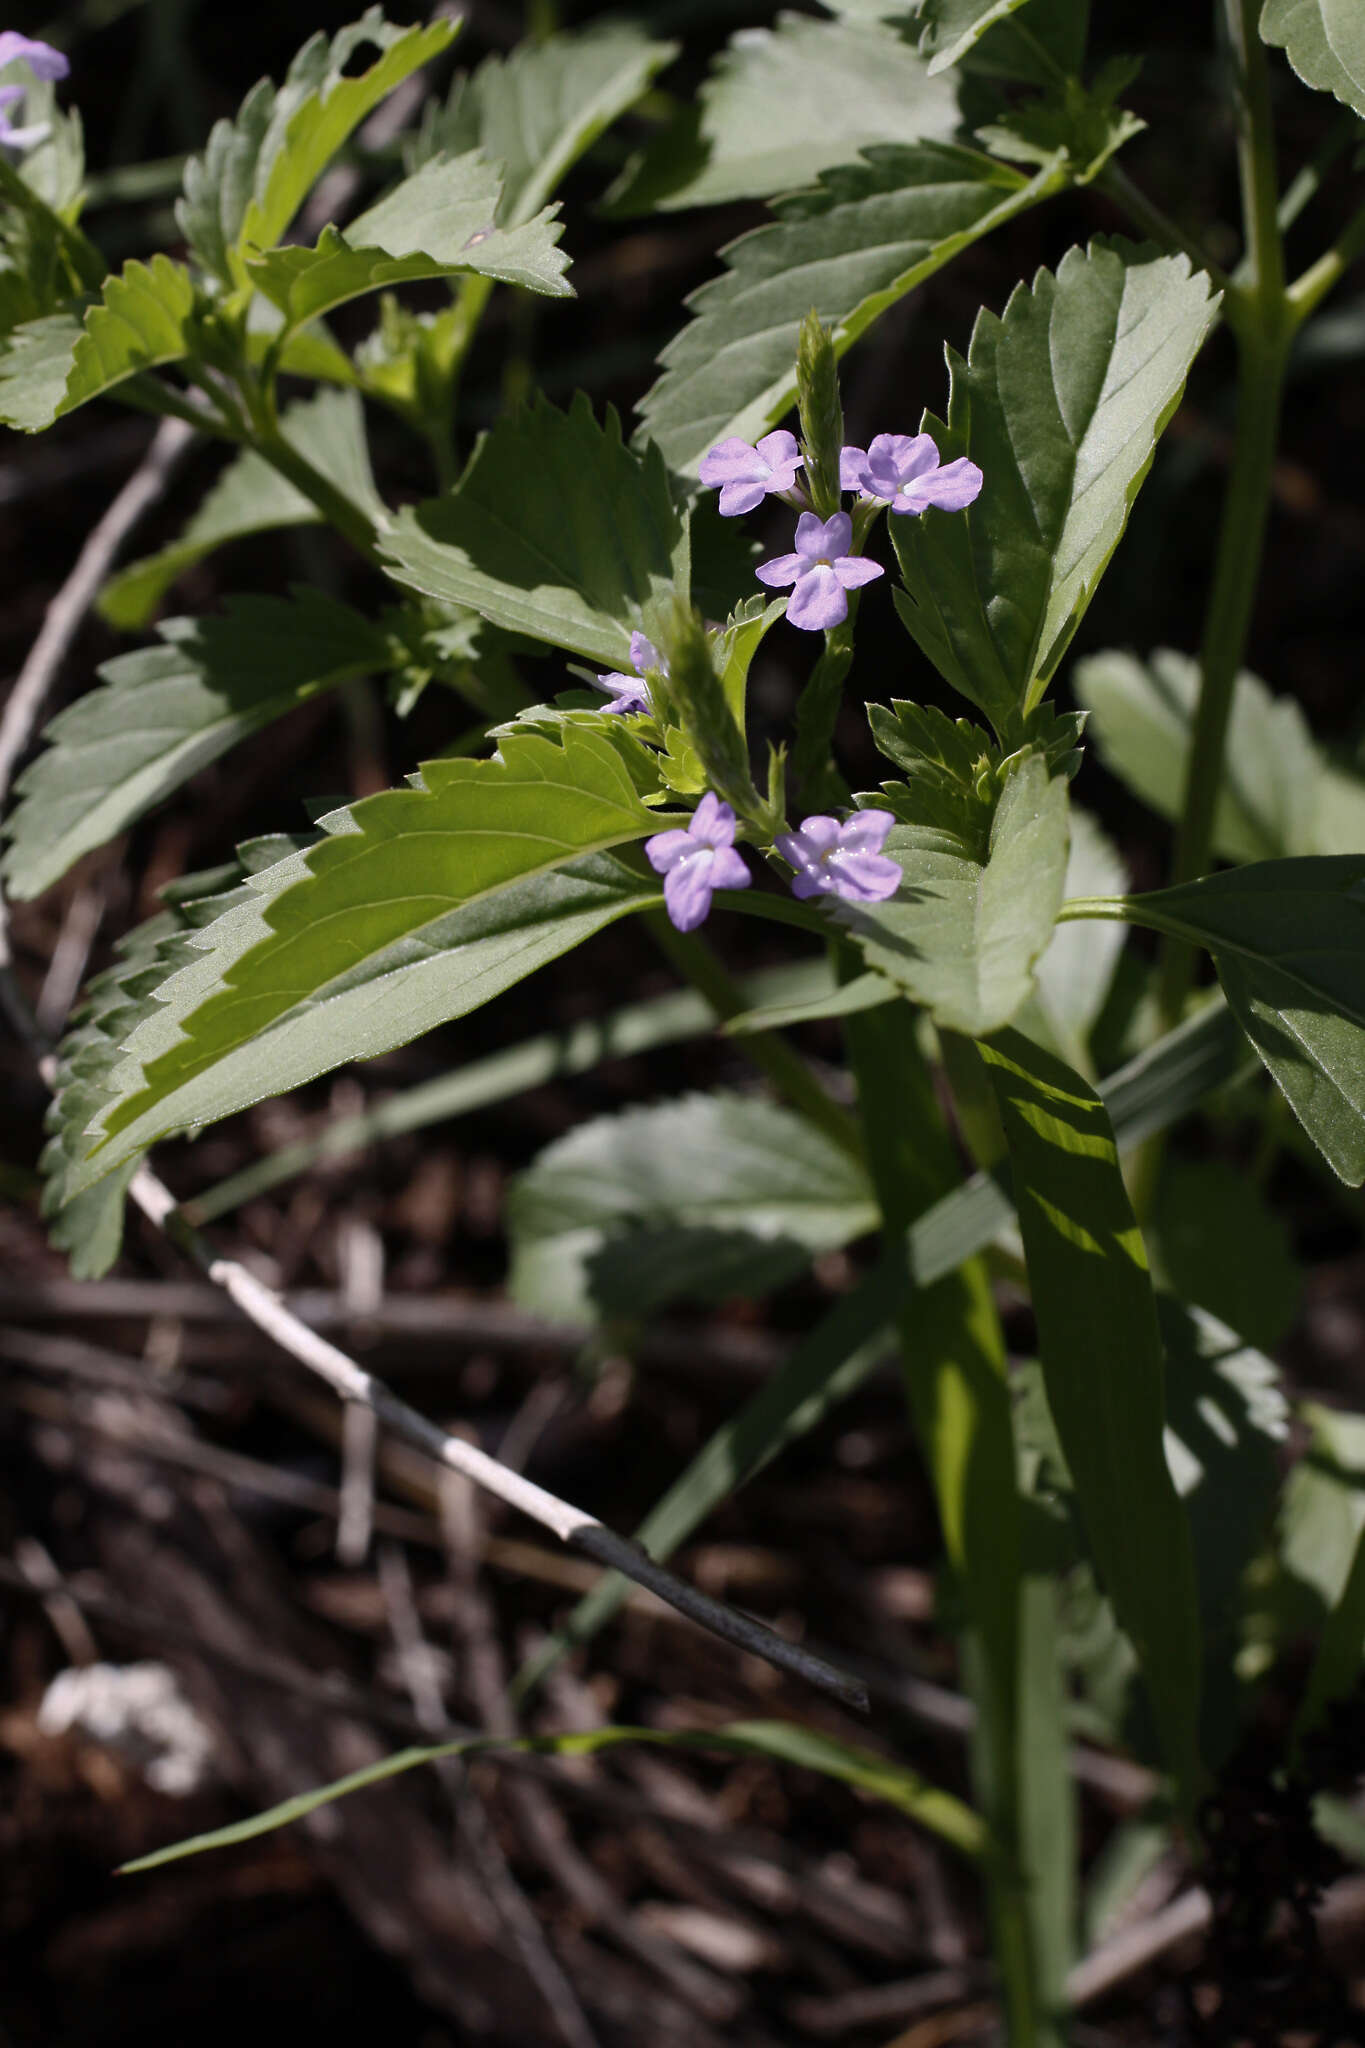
[631,693]
[904,472]
[45,63]
[822,570]
[842,860]
[745,474]
[696,861]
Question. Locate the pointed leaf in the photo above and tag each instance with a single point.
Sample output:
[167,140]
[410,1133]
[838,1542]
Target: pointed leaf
[249,496]
[851,248]
[402,879]
[437,223]
[257,170]
[784,104]
[162,713]
[704,1197]
[1102,1363]
[1060,403]
[990,37]
[1077,968]
[1324,40]
[555,529]
[537,110]
[141,321]
[962,935]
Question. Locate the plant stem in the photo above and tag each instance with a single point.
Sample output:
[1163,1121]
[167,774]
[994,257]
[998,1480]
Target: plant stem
[1263,331]
[786,1070]
[1309,289]
[1158,226]
[339,510]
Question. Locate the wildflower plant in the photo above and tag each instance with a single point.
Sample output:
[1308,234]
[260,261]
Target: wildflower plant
[960,922]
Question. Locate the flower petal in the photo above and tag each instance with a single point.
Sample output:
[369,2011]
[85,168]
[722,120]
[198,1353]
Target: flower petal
[818,601]
[819,539]
[741,496]
[644,654]
[713,823]
[42,60]
[865,831]
[687,891]
[779,449]
[951,489]
[816,835]
[728,870]
[782,569]
[666,849]
[852,463]
[855,570]
[863,877]
[732,461]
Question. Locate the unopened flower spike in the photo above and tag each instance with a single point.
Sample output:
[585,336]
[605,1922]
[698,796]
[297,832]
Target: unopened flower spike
[845,860]
[631,693]
[822,570]
[903,471]
[695,862]
[747,474]
[45,63]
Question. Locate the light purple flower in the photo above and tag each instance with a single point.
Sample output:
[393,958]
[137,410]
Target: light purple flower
[45,63]
[631,693]
[696,861]
[745,474]
[822,570]
[842,860]
[904,472]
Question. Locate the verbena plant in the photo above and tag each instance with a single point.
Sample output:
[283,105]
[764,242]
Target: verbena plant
[1100,1509]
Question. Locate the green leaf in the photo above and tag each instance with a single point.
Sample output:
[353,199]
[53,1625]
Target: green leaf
[162,713]
[1060,403]
[1075,972]
[865,992]
[1214,1240]
[1141,716]
[1087,125]
[414,878]
[556,529]
[89,1226]
[953,27]
[962,935]
[991,37]
[249,496]
[855,1334]
[53,169]
[784,104]
[1102,1363]
[1324,40]
[438,223]
[141,321]
[244,191]
[704,1197]
[780,1741]
[1288,940]
[537,110]
[947,794]
[851,248]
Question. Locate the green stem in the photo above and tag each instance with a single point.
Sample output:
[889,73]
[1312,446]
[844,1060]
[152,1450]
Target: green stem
[1263,331]
[339,510]
[788,1073]
[1116,184]
[1308,290]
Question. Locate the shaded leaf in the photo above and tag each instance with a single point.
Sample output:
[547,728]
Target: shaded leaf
[865,992]
[1060,402]
[1075,972]
[962,935]
[162,713]
[1324,40]
[783,104]
[992,38]
[1288,940]
[249,496]
[413,879]
[703,1197]
[537,110]
[851,248]
[1215,1241]
[556,529]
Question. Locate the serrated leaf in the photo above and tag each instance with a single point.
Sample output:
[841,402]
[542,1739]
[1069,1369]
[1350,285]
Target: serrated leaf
[1324,40]
[1271,800]
[990,38]
[249,497]
[944,795]
[162,713]
[537,110]
[962,935]
[437,223]
[556,529]
[950,28]
[1061,403]
[140,322]
[851,248]
[700,1198]
[1288,940]
[405,879]
[783,104]
[257,170]
[1102,1364]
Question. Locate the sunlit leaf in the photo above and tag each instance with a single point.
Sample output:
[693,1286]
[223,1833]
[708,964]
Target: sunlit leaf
[1324,40]
[141,321]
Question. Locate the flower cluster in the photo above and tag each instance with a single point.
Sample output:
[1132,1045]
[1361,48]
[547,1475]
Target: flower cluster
[631,692]
[899,471]
[45,63]
[829,859]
